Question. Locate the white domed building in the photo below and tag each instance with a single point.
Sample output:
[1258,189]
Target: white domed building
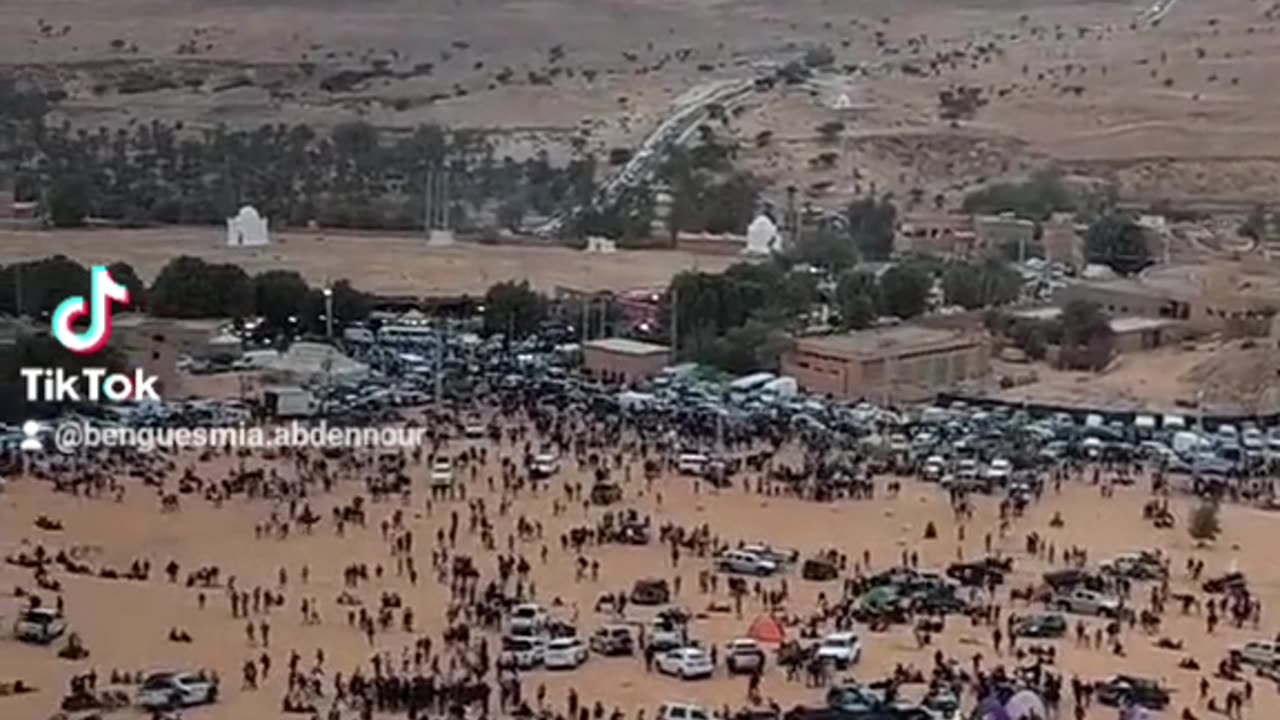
[247,229]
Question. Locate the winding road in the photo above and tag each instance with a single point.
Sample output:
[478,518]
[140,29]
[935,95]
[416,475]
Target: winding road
[688,111]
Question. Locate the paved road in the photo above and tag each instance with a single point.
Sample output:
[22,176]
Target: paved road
[688,111]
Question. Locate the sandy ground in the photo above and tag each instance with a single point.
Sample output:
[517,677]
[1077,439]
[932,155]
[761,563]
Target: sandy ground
[386,265]
[125,624]
[1230,378]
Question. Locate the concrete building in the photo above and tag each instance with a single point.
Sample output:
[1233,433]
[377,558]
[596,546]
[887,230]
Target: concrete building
[623,360]
[998,231]
[155,344]
[1130,333]
[905,363]
[936,234]
[1223,297]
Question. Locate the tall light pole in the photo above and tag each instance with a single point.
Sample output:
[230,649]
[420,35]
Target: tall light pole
[328,313]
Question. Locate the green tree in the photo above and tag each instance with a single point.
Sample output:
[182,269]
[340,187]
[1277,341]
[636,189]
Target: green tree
[123,273]
[513,309]
[1117,242]
[1255,224]
[1037,198]
[858,298]
[825,247]
[1204,525]
[872,224]
[188,287]
[904,291]
[70,200]
[37,287]
[751,347]
[280,295]
[976,286]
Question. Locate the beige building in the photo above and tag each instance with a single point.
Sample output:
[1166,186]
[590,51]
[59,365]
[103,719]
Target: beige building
[906,363]
[1221,298]
[998,231]
[155,344]
[623,360]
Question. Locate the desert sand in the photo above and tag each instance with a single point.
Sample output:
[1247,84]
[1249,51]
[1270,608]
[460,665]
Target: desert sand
[125,623]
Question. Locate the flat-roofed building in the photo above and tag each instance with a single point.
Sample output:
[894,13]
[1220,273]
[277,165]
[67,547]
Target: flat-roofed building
[624,360]
[904,363]
[1232,299]
[154,344]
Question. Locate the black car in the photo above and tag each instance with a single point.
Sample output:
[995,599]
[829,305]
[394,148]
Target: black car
[1041,625]
[1229,583]
[1123,690]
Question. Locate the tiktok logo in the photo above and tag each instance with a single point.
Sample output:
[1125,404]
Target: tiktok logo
[102,291]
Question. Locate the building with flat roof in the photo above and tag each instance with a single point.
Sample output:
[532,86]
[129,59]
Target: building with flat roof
[904,363]
[1220,297]
[155,344]
[1130,333]
[622,360]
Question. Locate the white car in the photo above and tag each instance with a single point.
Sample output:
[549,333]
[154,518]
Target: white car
[545,465]
[665,635]
[934,468]
[999,470]
[686,663]
[745,563]
[681,711]
[691,463]
[523,651]
[39,625]
[442,472]
[527,619]
[744,655]
[564,653]
[474,430]
[1088,602]
[1260,653]
[841,649]
[176,689]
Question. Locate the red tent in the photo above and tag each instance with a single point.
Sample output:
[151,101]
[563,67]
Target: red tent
[766,629]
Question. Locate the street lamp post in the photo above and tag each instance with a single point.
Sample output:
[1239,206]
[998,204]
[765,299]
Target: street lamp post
[328,313]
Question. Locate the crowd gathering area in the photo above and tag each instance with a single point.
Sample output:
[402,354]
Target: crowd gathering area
[568,565]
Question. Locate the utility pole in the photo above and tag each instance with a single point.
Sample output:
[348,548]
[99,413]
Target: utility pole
[586,318]
[675,322]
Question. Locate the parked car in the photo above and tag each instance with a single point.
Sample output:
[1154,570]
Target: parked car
[650,591]
[744,655]
[686,663]
[841,649]
[564,653]
[1041,625]
[441,472]
[544,465]
[527,619]
[681,711]
[1136,566]
[523,651]
[745,563]
[39,625]
[613,640]
[176,689]
[1260,653]
[1122,690]
[665,634]
[1088,602]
